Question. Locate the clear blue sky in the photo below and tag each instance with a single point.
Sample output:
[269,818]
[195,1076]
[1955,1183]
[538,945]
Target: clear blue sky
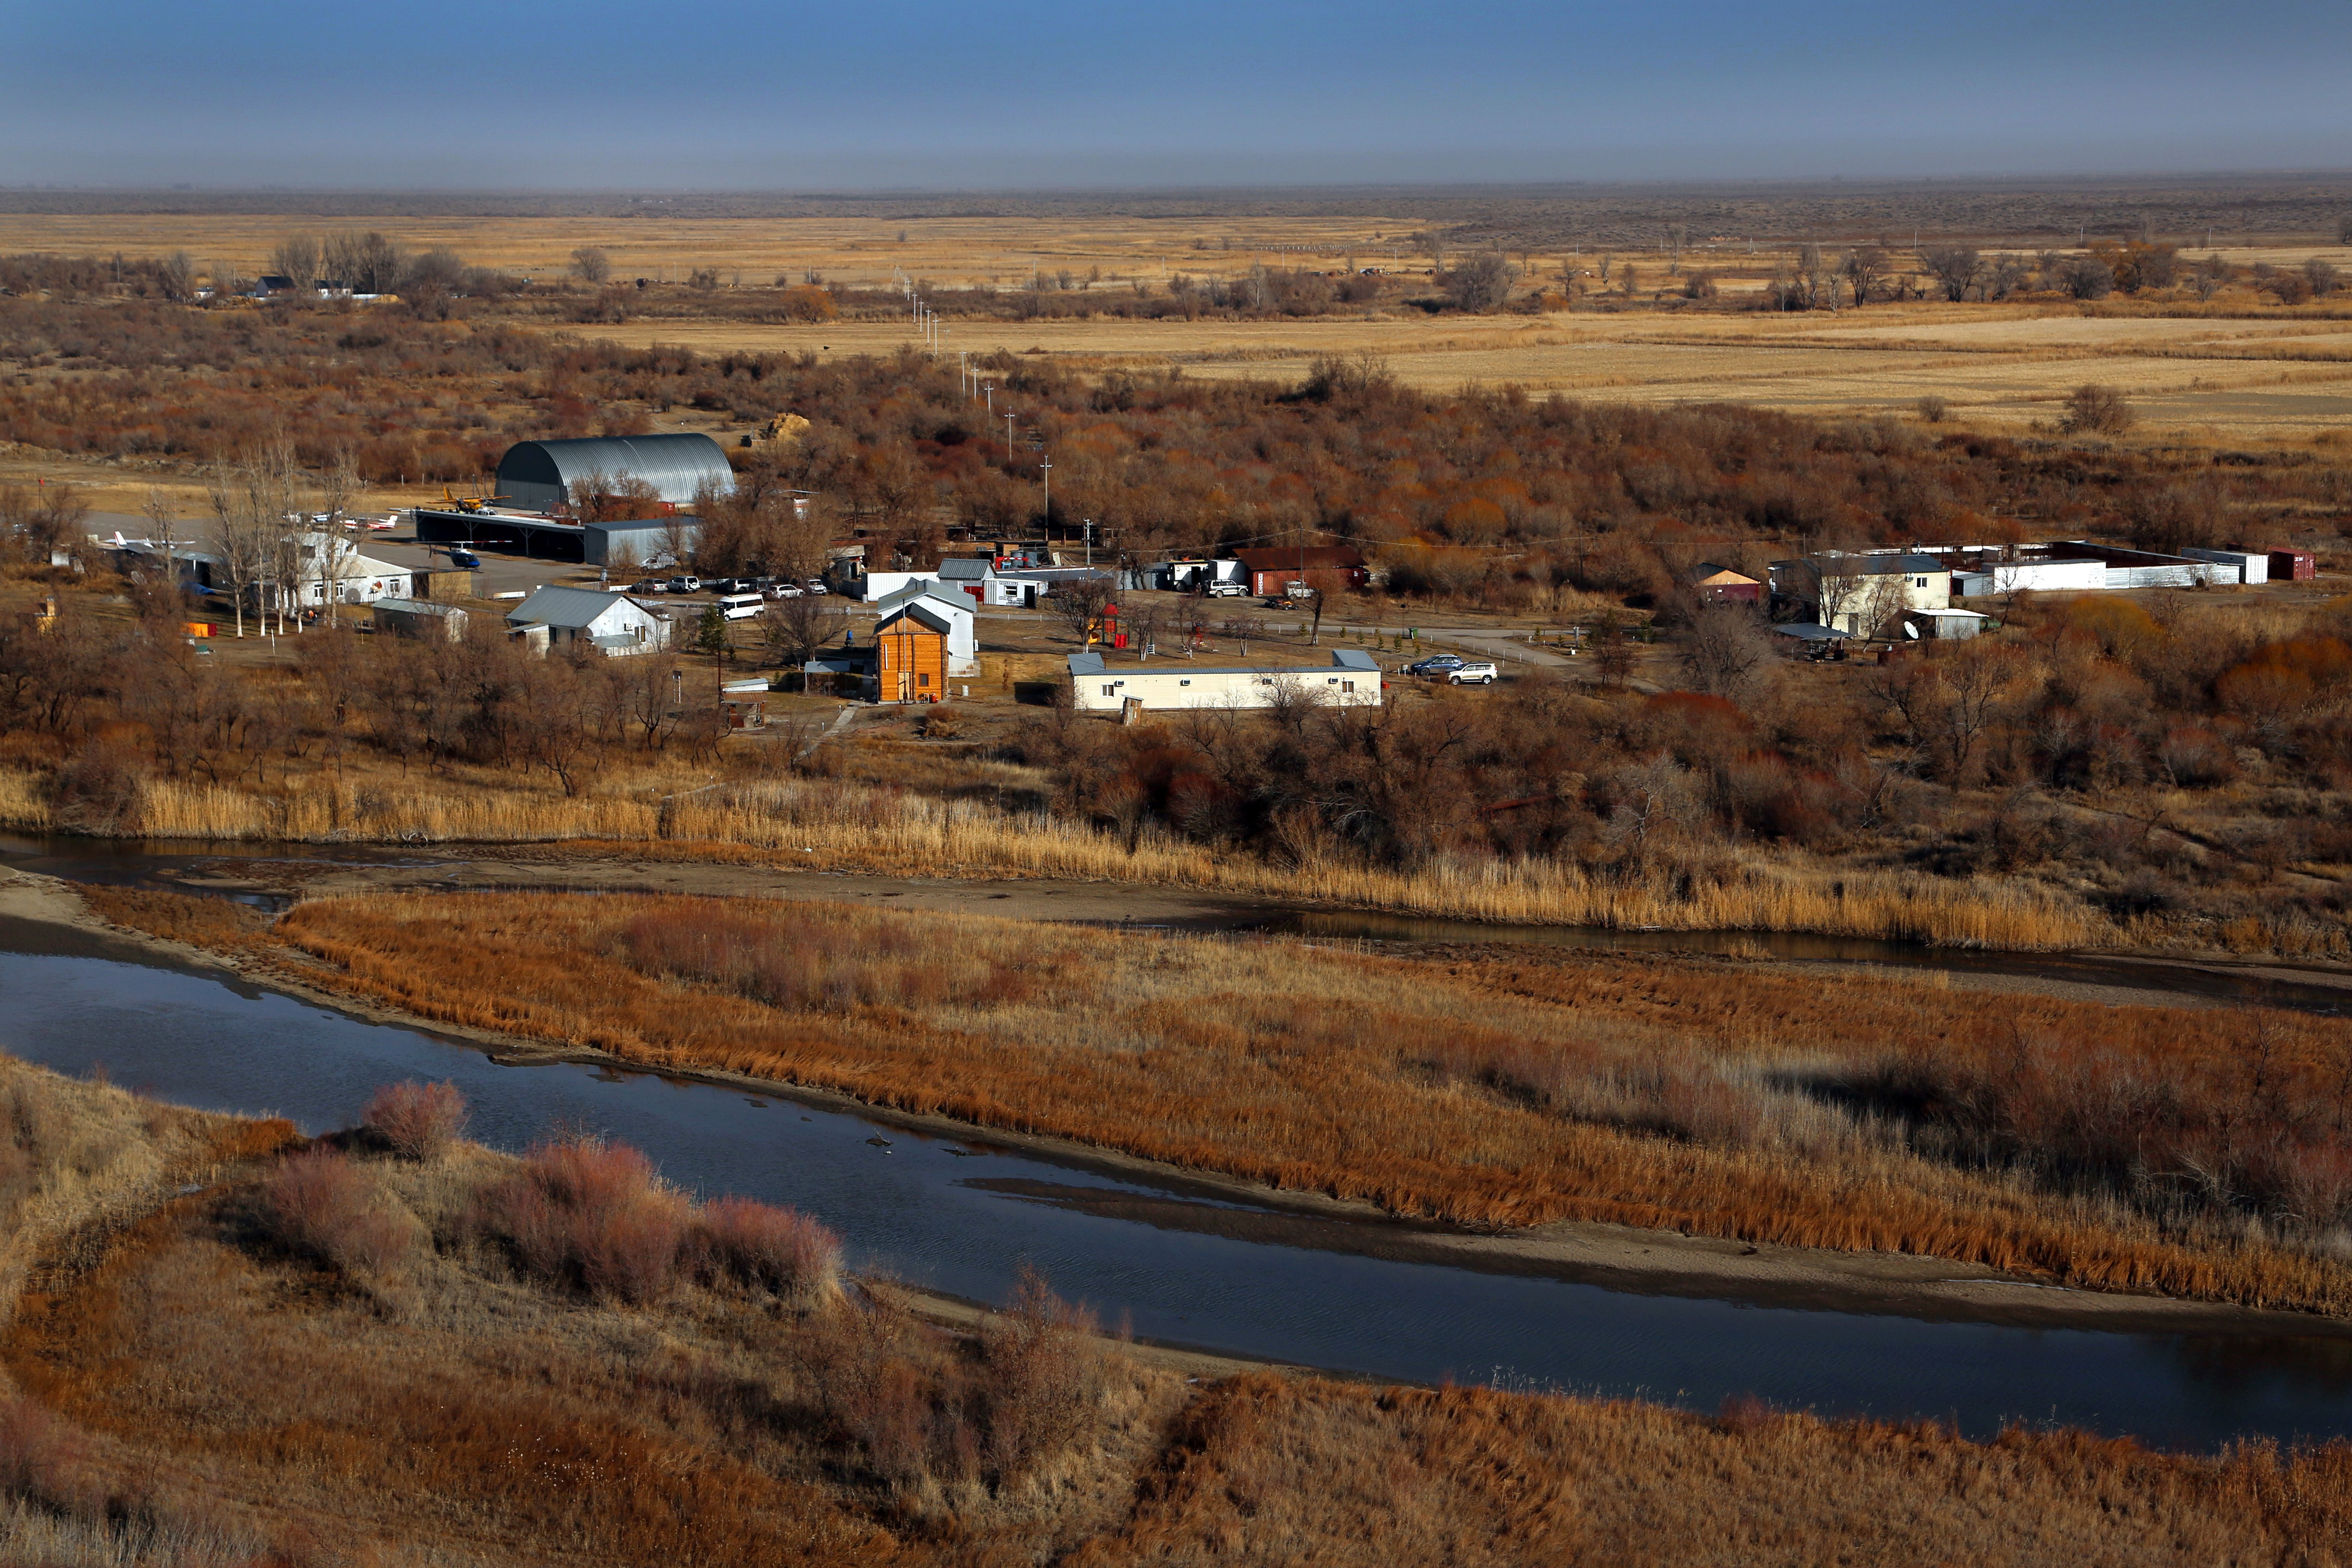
[898,93]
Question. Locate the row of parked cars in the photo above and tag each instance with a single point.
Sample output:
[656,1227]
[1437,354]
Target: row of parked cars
[769,588]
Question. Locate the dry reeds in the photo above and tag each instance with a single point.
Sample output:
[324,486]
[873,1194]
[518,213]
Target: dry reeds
[820,823]
[1714,1102]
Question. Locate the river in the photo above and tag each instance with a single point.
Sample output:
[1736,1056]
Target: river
[960,1217]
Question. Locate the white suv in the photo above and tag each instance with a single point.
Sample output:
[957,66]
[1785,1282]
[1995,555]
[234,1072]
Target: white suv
[1473,675]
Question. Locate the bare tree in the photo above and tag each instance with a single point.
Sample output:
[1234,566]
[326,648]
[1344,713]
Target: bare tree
[591,265]
[1863,600]
[369,263]
[339,485]
[1954,267]
[296,260]
[161,528]
[1865,268]
[1727,654]
[179,277]
[1079,602]
[2096,410]
[2087,277]
[251,501]
[1483,282]
[795,630]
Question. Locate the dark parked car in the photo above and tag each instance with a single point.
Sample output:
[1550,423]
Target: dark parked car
[650,585]
[1436,664]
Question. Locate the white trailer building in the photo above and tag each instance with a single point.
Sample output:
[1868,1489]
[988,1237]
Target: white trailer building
[2034,574]
[2250,566]
[1351,680]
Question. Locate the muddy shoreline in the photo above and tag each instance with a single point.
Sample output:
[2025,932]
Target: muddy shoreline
[1617,1258]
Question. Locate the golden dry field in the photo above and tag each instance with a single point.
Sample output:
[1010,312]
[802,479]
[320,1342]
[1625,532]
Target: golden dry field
[2216,375]
[853,252]
[2210,379]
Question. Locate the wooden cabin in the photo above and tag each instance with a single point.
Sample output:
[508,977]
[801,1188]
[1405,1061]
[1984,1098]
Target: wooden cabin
[910,660]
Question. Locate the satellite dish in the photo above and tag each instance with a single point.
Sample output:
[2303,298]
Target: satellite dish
[1911,631]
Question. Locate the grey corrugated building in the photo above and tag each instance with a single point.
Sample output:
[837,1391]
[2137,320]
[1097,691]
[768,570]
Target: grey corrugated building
[538,475]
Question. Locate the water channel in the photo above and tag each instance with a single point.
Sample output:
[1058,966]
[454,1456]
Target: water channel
[1176,1265]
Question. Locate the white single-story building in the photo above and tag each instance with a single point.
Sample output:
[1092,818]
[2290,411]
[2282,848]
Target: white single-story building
[2250,566]
[614,623]
[333,569]
[1351,680]
[2031,576]
[939,609]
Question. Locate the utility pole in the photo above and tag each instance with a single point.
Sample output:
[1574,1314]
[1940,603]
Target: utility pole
[1046,473]
[1008,439]
[1091,543]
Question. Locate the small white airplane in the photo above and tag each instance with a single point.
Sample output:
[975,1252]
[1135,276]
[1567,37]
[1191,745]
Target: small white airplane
[389,522]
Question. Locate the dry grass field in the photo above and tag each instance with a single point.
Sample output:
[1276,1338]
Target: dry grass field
[1997,367]
[2255,376]
[857,251]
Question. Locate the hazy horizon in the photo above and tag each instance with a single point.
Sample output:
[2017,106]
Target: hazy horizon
[915,98]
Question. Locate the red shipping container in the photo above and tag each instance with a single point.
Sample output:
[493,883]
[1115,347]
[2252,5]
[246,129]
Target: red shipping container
[2294,566]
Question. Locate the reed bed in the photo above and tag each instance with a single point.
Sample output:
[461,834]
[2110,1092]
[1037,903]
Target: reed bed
[822,823]
[1614,1090]
[1268,1470]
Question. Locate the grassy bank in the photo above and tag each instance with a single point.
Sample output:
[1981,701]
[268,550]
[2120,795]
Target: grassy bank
[817,822]
[367,1352]
[2193,1152]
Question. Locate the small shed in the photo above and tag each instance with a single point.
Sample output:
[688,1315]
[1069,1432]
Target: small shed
[1815,640]
[445,583]
[743,704]
[2294,566]
[842,674]
[421,618]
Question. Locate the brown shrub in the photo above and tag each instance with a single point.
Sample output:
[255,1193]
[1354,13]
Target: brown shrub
[768,1249]
[323,1204]
[418,1120]
[1045,1377]
[591,1214]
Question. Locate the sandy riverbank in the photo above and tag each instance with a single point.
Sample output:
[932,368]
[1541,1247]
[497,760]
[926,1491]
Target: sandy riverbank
[1617,1258]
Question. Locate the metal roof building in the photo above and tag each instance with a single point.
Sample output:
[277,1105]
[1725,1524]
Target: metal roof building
[539,474]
